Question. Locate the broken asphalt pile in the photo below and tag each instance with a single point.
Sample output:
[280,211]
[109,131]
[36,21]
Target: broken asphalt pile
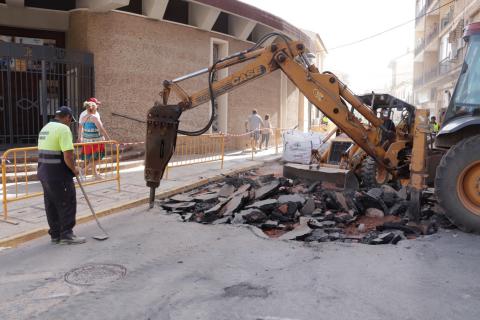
[294,210]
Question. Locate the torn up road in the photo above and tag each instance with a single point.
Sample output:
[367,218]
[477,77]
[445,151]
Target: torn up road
[299,210]
[155,267]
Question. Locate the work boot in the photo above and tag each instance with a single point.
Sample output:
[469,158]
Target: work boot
[72,239]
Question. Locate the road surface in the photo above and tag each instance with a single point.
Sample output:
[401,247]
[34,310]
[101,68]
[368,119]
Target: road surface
[155,267]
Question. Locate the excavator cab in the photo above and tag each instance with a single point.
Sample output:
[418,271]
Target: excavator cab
[457,180]
[462,117]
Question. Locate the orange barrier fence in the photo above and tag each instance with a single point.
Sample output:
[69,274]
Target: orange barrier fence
[197,149]
[18,171]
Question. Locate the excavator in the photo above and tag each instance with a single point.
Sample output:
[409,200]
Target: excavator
[457,179]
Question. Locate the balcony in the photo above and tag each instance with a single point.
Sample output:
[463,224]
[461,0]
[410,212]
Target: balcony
[432,35]
[420,15]
[431,74]
[445,21]
[419,47]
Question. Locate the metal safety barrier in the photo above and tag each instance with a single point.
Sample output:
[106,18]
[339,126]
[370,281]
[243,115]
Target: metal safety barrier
[198,149]
[19,169]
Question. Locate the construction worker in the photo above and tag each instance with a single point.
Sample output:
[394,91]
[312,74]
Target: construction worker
[56,169]
[325,120]
[434,126]
[389,125]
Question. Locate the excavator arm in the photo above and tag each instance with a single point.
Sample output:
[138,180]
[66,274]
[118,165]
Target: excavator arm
[324,90]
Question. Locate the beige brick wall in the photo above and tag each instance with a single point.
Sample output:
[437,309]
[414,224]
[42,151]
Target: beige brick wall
[133,55]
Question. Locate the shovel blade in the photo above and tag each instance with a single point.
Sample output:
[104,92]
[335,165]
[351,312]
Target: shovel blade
[341,178]
[100,238]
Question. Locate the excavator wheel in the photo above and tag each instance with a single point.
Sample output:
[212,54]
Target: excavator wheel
[369,175]
[457,184]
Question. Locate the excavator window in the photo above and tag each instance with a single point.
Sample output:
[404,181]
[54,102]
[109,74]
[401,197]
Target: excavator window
[466,97]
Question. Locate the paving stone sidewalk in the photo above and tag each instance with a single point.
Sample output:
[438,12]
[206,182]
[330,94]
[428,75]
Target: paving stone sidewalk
[30,213]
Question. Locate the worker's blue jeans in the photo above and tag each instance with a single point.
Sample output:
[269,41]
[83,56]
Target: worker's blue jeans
[60,205]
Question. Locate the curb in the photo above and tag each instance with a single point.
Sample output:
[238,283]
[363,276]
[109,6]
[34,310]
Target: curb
[21,238]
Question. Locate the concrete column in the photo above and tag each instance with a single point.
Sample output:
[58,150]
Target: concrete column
[302,113]
[239,27]
[154,9]
[282,122]
[201,16]
[102,5]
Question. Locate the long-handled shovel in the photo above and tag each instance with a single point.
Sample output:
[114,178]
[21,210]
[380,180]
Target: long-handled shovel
[105,235]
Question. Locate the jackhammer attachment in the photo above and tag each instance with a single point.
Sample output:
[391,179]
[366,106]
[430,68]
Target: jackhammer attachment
[162,127]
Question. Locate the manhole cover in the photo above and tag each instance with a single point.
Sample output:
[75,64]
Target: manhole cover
[91,274]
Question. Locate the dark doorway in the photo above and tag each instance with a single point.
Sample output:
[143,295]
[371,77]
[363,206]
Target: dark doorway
[34,81]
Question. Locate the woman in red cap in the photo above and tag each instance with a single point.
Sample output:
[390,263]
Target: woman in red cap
[92,131]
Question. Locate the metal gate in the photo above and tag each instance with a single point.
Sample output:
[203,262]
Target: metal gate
[34,82]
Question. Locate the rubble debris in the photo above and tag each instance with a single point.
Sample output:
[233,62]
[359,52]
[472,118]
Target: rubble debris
[304,211]
[374,213]
[308,207]
[181,198]
[299,233]
[234,204]
[249,216]
[292,198]
[226,190]
[265,205]
[361,227]
[267,190]
[205,197]
[178,205]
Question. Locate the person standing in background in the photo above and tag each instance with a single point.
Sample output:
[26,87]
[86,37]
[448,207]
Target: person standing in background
[84,114]
[255,123]
[266,131]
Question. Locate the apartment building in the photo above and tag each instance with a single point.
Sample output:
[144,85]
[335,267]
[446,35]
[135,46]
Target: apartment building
[439,49]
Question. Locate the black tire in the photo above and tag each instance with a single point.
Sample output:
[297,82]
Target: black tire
[368,173]
[453,163]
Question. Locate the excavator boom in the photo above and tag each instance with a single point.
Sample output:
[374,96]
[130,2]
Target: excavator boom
[324,90]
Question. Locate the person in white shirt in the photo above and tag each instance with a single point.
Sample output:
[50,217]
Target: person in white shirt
[85,114]
[266,131]
[255,123]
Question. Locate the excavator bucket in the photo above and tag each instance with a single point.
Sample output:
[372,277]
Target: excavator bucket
[340,178]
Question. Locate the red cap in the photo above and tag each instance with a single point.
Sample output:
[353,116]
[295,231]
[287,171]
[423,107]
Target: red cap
[94,100]
[472,28]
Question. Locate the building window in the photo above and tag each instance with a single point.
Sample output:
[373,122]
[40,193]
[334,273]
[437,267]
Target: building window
[445,48]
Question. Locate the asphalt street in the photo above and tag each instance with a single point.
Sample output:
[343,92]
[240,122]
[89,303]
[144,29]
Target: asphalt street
[155,267]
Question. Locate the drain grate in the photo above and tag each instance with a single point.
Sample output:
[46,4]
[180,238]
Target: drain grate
[95,273]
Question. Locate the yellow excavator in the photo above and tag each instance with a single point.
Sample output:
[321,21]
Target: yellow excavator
[457,181]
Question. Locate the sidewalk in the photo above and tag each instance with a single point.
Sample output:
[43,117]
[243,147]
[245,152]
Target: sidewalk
[30,213]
